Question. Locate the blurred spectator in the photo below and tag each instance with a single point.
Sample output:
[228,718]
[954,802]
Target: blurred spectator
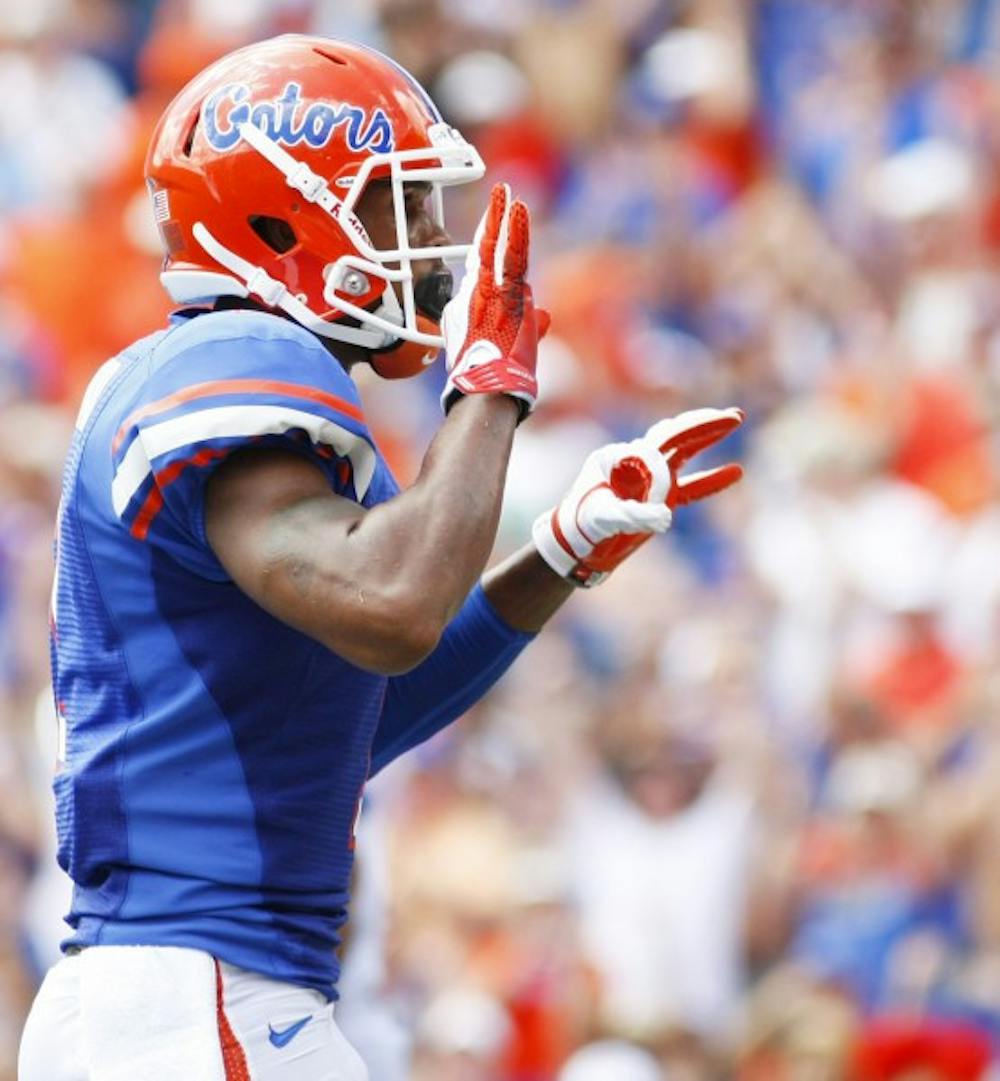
[610,1058]
[894,1051]
[798,1029]
[659,850]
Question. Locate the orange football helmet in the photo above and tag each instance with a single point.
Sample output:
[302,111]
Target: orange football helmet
[255,170]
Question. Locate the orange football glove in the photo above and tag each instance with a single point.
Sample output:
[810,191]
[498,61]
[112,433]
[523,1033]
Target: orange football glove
[491,328]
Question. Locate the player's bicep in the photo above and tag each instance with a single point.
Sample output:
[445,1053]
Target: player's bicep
[276,527]
[293,546]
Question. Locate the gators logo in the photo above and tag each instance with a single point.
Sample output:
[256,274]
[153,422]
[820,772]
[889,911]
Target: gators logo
[284,120]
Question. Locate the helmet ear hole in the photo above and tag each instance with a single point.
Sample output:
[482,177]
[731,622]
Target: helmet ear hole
[276,233]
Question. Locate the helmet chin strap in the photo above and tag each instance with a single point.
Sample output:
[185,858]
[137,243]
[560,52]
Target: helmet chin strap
[390,356]
[275,294]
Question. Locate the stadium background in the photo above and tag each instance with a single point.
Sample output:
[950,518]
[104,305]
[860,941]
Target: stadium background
[735,815]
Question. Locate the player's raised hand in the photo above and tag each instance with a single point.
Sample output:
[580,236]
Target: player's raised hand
[491,328]
[626,492]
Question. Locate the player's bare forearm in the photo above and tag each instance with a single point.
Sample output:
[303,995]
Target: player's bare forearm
[379,586]
[440,531]
[525,591]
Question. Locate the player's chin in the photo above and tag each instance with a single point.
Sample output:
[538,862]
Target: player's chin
[407,358]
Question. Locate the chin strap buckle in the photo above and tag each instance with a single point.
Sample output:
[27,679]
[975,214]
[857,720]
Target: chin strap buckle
[269,289]
[304,180]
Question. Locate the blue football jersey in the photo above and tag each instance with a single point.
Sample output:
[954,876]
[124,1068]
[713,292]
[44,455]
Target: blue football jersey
[212,758]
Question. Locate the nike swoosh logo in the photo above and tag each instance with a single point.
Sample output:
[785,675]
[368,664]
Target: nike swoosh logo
[283,1037]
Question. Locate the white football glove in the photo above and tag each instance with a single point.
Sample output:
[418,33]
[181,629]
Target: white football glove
[626,492]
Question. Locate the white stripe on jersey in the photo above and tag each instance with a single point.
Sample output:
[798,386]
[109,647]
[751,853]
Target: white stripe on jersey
[104,374]
[129,475]
[235,420]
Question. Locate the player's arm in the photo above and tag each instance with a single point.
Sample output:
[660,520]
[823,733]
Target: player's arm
[378,587]
[624,493]
[494,625]
[500,618]
[524,591]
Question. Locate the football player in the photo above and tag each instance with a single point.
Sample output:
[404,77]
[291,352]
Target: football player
[249,618]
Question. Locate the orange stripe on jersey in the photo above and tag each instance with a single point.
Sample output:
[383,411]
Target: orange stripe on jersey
[147,512]
[235,386]
[153,503]
[234,1058]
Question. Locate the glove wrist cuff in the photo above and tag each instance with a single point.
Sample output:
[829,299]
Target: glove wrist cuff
[500,376]
[552,547]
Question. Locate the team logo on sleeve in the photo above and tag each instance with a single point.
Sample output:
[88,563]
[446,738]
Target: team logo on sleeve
[285,120]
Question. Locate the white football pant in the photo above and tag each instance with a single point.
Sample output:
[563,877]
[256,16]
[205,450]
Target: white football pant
[163,1013]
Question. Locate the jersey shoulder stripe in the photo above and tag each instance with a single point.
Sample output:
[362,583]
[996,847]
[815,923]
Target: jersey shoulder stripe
[217,387]
[150,503]
[165,450]
[273,384]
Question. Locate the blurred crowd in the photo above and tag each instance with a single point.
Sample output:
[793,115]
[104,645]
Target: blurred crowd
[734,814]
